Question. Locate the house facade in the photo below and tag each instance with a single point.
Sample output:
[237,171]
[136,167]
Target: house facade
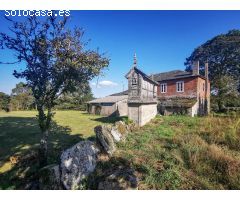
[173,92]
[182,92]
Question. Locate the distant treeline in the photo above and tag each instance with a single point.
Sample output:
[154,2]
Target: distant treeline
[21,98]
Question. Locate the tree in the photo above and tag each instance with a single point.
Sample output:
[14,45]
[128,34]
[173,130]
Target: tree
[21,97]
[4,101]
[227,92]
[75,100]
[223,55]
[57,61]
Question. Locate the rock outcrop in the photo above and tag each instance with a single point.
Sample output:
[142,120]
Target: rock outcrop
[117,136]
[77,163]
[105,139]
[107,135]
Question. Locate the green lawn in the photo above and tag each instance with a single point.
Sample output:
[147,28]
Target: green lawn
[19,132]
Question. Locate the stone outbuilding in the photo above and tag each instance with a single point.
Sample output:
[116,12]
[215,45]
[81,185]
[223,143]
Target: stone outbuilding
[142,96]
[113,105]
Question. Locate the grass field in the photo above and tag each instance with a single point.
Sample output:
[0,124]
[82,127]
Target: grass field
[171,152]
[180,152]
[19,133]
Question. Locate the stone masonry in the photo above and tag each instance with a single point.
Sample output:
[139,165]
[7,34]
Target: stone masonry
[142,96]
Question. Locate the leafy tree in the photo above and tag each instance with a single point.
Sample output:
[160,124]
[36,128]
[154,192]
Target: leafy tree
[57,61]
[21,97]
[223,55]
[227,92]
[75,100]
[4,101]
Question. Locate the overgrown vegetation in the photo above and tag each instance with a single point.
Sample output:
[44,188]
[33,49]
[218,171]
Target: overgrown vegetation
[180,152]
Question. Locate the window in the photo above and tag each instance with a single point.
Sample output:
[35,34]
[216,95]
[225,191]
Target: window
[163,87]
[180,86]
[134,81]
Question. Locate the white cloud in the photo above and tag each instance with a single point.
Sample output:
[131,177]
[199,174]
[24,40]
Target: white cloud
[105,83]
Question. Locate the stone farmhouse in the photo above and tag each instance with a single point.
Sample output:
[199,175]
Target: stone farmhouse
[173,92]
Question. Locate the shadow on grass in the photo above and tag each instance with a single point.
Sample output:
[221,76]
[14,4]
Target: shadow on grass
[110,119]
[19,141]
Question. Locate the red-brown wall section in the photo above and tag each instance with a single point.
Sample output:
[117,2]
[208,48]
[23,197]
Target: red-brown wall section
[192,86]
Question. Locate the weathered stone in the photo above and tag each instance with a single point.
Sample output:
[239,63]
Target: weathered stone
[49,178]
[105,138]
[116,134]
[121,127]
[77,163]
[120,179]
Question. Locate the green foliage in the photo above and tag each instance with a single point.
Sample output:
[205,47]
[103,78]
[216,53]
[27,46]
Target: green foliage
[75,100]
[21,98]
[4,101]
[223,55]
[56,60]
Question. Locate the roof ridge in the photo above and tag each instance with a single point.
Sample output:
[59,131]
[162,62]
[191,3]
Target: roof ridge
[176,70]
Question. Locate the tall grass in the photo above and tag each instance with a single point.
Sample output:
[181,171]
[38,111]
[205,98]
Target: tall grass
[180,152]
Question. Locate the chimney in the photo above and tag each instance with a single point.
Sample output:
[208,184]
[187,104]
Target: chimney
[206,71]
[207,91]
[206,79]
[195,68]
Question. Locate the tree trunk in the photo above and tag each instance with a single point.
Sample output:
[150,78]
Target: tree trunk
[44,121]
[220,106]
[43,150]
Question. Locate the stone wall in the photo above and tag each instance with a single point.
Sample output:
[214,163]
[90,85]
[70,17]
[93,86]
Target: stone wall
[112,109]
[122,108]
[142,113]
[78,164]
[193,111]
[148,112]
[119,108]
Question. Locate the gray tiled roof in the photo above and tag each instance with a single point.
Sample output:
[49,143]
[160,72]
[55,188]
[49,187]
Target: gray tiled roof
[120,93]
[172,75]
[109,99]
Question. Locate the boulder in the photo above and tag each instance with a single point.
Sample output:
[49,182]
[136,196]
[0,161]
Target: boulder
[49,178]
[120,179]
[116,134]
[105,139]
[77,163]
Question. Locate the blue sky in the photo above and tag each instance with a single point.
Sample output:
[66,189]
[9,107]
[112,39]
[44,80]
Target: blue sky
[161,39]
